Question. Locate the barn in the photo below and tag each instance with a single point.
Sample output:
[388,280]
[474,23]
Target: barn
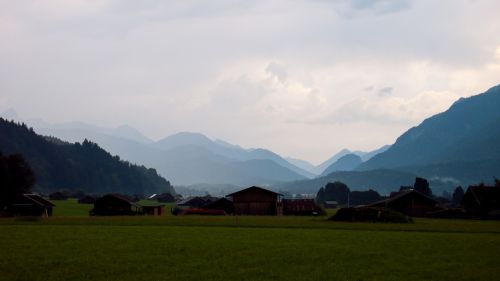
[409,202]
[257,201]
[30,205]
[115,205]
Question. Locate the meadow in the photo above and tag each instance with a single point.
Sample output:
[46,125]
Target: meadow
[71,247]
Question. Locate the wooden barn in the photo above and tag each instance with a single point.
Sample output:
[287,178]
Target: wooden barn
[482,201]
[30,205]
[257,201]
[409,202]
[301,207]
[115,205]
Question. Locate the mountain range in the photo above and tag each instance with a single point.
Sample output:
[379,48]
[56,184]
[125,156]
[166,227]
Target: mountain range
[457,147]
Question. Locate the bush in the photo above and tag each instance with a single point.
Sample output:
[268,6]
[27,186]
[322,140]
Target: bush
[368,214]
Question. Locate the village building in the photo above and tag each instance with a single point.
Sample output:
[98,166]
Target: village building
[301,207]
[222,204]
[30,205]
[153,210]
[196,201]
[482,201]
[115,205]
[331,204]
[409,202]
[257,201]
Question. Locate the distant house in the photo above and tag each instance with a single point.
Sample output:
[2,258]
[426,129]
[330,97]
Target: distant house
[196,202]
[30,205]
[153,210]
[301,207]
[331,204]
[86,200]
[482,201]
[115,205]
[256,201]
[408,202]
[165,198]
[222,204]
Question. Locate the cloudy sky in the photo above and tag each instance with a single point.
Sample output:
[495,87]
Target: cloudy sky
[303,78]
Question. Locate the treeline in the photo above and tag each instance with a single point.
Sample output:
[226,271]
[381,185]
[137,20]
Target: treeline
[58,165]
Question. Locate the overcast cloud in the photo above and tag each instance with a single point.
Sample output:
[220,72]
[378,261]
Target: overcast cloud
[303,78]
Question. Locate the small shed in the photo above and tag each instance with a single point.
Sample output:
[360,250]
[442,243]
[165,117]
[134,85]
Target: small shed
[482,201]
[257,201]
[30,205]
[115,205]
[409,202]
[301,207]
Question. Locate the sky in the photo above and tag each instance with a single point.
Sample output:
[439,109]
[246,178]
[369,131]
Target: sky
[302,78]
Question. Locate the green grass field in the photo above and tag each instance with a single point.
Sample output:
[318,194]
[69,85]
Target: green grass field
[245,248]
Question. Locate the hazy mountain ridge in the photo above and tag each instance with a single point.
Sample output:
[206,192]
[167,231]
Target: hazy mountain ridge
[347,162]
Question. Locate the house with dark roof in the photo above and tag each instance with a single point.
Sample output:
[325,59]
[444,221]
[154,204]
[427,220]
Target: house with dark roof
[30,205]
[115,205]
[256,201]
[482,201]
[409,202]
[222,204]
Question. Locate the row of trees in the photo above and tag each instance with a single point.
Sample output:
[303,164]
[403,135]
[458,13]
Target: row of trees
[338,191]
[16,178]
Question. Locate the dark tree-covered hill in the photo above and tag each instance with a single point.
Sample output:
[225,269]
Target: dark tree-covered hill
[81,166]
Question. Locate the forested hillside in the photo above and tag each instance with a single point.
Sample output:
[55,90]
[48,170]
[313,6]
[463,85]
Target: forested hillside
[81,166]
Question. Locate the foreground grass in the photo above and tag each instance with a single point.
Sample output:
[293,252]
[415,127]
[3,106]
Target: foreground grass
[246,248]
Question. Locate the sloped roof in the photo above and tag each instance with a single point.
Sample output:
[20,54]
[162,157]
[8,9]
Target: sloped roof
[485,195]
[121,198]
[401,195]
[254,188]
[39,200]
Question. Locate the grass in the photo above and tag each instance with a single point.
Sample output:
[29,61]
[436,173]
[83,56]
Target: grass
[246,248]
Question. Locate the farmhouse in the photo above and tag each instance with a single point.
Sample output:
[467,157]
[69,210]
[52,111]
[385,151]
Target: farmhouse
[257,201]
[115,205]
[30,205]
[409,202]
[300,207]
[482,201]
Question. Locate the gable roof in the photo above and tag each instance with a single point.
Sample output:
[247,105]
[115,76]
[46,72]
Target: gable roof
[401,195]
[39,200]
[486,196]
[120,198]
[254,188]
